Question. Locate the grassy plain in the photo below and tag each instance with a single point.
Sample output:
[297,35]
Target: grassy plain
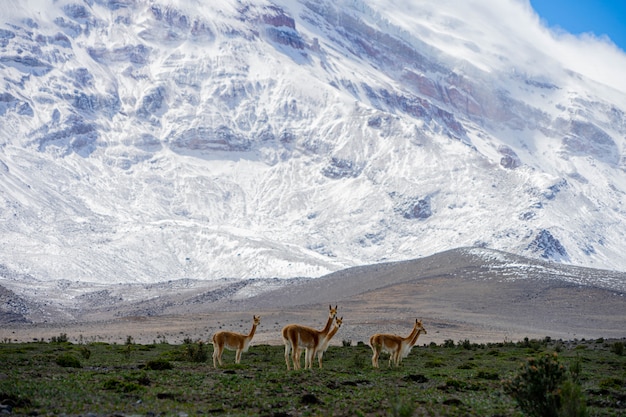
[449,379]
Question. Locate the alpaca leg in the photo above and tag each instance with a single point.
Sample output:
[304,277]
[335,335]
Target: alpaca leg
[295,358]
[217,355]
[298,354]
[375,354]
[238,356]
[308,358]
[287,354]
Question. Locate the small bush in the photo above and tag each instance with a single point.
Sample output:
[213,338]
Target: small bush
[158,365]
[454,384]
[68,361]
[611,383]
[542,389]
[465,344]
[536,386]
[573,403]
[618,348]
[434,363]
[85,352]
[358,361]
[402,408]
[61,338]
[575,370]
[195,352]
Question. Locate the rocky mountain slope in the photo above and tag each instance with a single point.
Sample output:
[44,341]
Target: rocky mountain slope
[148,141]
[471,293]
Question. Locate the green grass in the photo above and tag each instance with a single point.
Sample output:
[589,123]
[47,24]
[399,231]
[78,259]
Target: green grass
[462,379]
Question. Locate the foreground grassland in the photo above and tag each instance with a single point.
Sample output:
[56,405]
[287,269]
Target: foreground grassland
[453,379]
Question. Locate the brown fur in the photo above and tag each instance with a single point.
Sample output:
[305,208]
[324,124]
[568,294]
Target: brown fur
[398,347]
[296,336]
[233,341]
[324,345]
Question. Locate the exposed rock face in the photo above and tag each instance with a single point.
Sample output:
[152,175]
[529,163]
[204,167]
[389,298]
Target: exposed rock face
[418,210]
[548,246]
[585,138]
[13,309]
[509,159]
[341,168]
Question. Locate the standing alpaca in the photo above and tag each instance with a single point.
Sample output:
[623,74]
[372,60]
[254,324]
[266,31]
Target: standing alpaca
[233,341]
[296,336]
[324,345]
[398,347]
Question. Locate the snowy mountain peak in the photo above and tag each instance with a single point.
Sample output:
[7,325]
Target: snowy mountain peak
[144,141]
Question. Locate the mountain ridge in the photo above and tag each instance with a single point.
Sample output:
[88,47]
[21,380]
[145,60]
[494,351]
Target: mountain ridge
[473,293]
[80,300]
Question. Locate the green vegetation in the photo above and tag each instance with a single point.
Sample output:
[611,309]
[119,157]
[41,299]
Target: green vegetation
[532,377]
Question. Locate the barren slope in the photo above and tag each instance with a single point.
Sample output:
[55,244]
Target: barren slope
[472,294]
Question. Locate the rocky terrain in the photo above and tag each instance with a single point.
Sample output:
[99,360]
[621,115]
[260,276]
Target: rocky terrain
[475,294]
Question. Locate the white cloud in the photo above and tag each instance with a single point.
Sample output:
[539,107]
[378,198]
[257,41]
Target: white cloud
[497,34]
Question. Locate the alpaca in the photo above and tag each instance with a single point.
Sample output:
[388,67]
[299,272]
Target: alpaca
[324,345]
[398,347]
[233,341]
[296,336]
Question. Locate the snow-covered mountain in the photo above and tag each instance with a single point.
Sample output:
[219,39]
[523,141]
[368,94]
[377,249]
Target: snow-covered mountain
[149,140]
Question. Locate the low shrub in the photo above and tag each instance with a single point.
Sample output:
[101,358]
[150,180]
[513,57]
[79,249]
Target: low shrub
[434,363]
[618,348]
[68,361]
[465,344]
[158,365]
[542,389]
[611,383]
[61,338]
[195,352]
[85,352]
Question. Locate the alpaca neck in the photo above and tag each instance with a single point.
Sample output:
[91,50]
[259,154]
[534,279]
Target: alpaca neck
[417,335]
[332,332]
[328,324]
[251,334]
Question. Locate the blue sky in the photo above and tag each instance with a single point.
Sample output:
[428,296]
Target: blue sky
[600,17]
